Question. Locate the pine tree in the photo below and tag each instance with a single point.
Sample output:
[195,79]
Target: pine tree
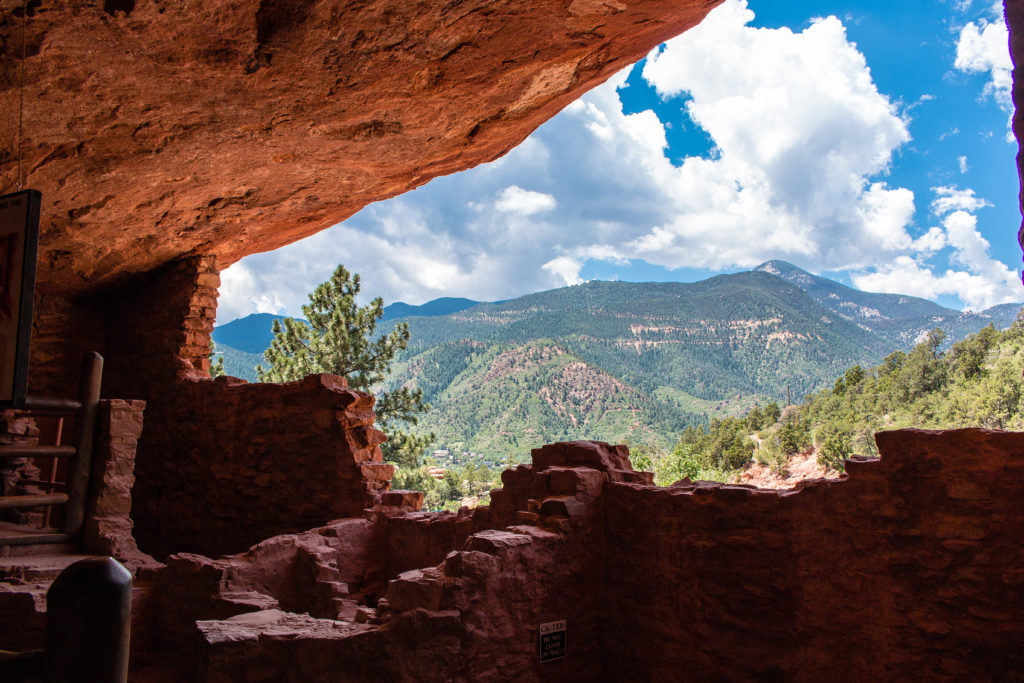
[216,362]
[340,338]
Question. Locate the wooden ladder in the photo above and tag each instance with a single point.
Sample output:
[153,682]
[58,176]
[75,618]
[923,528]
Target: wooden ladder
[79,454]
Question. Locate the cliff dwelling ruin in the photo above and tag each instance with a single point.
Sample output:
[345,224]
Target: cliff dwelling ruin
[171,139]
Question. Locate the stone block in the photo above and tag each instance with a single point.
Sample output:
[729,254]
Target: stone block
[492,541]
[569,507]
[416,588]
[408,500]
[596,454]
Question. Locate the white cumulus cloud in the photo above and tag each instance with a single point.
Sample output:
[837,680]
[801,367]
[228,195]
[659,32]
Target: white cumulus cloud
[948,199]
[566,268]
[981,281]
[985,47]
[514,199]
[802,142]
[800,131]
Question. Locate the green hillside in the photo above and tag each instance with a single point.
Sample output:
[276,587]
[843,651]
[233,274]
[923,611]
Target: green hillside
[975,382]
[238,363]
[900,319]
[635,362]
[508,399]
[742,334]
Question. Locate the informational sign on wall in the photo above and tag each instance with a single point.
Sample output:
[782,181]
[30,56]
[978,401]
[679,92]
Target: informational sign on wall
[19,238]
[552,640]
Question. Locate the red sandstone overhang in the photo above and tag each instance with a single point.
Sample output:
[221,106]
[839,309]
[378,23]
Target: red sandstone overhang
[229,128]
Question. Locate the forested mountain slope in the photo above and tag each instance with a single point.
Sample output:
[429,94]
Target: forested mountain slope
[635,361]
[975,382]
[622,361]
[900,319]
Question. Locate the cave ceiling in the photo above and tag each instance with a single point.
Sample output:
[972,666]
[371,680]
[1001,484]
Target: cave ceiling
[159,129]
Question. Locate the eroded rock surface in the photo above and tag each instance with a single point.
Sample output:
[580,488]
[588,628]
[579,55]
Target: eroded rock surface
[908,568]
[157,129]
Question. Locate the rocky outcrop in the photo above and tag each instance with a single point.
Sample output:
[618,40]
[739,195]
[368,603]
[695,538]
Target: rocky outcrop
[906,568]
[159,129]
[228,464]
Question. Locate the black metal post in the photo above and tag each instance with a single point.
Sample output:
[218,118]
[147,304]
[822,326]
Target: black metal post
[88,623]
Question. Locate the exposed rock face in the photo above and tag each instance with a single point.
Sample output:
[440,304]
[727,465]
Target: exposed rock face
[908,568]
[227,464]
[158,129]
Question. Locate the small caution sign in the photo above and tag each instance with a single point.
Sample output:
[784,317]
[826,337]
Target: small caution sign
[552,640]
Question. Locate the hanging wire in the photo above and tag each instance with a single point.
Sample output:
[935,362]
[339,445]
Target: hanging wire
[21,90]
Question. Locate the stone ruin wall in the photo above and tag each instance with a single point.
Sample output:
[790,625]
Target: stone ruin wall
[226,464]
[908,568]
[256,459]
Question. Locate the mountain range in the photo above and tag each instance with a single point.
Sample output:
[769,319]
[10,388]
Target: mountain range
[633,361]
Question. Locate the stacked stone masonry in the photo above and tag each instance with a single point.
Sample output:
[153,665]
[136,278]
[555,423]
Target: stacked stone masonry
[256,459]
[907,568]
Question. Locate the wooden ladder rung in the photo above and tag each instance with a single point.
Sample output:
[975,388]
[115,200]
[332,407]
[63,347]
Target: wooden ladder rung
[42,482]
[37,538]
[33,501]
[39,404]
[36,451]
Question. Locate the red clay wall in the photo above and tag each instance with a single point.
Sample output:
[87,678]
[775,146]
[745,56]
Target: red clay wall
[220,465]
[912,569]
[225,465]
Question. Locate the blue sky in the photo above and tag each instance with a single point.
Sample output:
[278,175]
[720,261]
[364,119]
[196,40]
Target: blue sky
[865,141]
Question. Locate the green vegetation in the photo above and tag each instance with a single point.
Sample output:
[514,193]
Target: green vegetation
[745,334]
[976,382]
[671,466]
[216,361]
[691,373]
[471,483]
[340,337]
[507,399]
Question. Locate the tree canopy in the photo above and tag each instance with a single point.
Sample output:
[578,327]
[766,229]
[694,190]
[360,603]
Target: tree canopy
[340,337]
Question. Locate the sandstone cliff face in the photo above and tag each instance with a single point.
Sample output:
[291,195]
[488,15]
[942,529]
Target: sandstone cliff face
[158,129]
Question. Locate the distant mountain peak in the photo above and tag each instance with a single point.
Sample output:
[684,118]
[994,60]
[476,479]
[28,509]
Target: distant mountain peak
[446,305]
[900,318]
[787,271]
[779,267]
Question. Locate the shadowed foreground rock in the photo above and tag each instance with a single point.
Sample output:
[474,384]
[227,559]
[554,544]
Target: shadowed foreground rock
[908,568]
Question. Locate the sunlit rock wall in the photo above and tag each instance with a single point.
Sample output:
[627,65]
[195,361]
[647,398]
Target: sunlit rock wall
[159,130]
